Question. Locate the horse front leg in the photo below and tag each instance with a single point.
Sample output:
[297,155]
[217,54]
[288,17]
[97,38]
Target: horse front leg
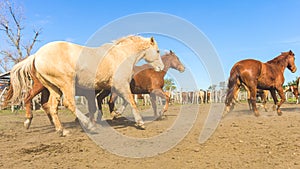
[161,94]
[282,100]
[125,93]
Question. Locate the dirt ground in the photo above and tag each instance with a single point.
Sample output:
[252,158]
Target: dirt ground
[240,141]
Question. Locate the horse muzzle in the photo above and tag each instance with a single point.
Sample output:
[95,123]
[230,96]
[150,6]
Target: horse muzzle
[294,70]
[181,69]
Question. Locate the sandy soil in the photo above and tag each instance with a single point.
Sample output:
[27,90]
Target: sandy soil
[240,141]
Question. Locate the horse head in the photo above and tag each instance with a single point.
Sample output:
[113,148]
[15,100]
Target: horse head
[152,55]
[290,57]
[175,62]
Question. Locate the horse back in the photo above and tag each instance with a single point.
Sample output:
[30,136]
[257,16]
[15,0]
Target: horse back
[247,70]
[145,80]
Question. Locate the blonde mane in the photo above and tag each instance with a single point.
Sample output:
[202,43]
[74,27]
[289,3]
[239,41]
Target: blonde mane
[144,43]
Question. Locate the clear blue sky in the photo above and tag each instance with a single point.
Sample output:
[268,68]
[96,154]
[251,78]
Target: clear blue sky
[258,29]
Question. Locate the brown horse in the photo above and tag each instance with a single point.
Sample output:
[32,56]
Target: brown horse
[257,75]
[147,81]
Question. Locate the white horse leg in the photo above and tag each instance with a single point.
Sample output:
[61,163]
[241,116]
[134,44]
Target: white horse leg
[122,108]
[153,103]
[127,96]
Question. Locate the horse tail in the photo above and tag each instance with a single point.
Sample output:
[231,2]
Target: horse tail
[20,80]
[233,84]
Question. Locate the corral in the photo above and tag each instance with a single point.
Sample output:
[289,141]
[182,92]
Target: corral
[240,141]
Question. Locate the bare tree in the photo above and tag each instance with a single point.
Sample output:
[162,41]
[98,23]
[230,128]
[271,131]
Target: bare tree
[11,27]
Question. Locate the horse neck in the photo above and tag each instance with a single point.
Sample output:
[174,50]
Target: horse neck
[166,63]
[279,62]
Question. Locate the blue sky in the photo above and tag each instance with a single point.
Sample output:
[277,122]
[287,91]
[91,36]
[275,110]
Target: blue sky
[237,29]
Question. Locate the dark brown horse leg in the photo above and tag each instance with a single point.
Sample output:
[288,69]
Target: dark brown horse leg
[37,88]
[100,98]
[273,94]
[282,100]
[111,103]
[45,106]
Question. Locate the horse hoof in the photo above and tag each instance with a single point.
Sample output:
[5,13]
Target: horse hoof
[256,114]
[76,120]
[63,133]
[158,118]
[279,112]
[115,115]
[27,123]
[140,126]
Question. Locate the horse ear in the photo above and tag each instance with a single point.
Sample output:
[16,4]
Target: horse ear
[290,52]
[152,41]
[171,52]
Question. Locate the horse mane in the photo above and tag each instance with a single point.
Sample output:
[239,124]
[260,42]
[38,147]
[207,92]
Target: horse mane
[281,59]
[143,42]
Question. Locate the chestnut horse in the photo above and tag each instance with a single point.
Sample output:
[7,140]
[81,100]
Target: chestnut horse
[61,65]
[147,81]
[257,75]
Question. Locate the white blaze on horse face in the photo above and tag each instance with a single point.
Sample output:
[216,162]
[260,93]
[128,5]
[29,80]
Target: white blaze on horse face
[152,56]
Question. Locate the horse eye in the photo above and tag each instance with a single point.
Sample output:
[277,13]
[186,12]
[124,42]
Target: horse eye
[157,51]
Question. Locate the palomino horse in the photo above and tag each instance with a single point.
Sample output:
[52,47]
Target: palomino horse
[257,75]
[61,65]
[147,81]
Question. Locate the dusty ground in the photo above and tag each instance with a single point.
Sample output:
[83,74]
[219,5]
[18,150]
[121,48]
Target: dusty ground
[240,141]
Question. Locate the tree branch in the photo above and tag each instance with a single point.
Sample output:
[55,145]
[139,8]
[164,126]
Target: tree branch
[18,37]
[29,48]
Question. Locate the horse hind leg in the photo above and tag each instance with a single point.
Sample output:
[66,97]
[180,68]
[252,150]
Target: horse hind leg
[54,101]
[282,100]
[36,89]
[253,100]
